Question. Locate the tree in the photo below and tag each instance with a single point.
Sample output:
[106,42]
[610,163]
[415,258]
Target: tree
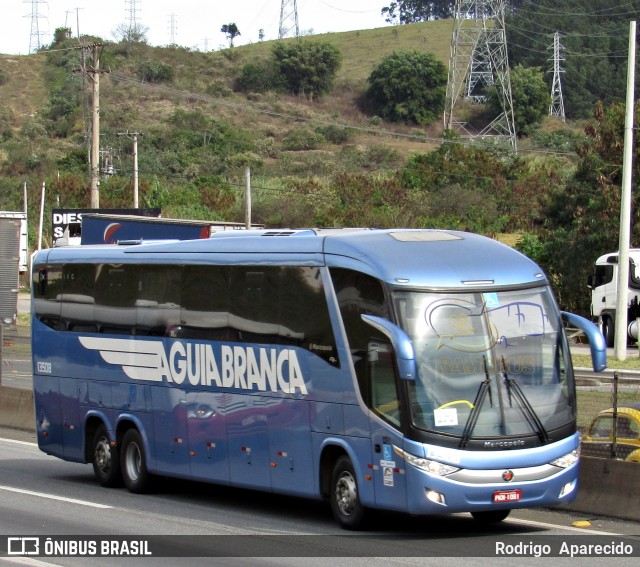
[595,41]
[308,68]
[61,35]
[530,96]
[411,11]
[408,86]
[131,34]
[583,217]
[232,31]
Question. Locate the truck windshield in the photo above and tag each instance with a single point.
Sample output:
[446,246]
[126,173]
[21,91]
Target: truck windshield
[490,364]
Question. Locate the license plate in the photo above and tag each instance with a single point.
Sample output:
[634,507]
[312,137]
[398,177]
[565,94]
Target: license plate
[507,495]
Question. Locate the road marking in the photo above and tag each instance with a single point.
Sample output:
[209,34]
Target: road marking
[15,441]
[583,531]
[53,497]
[17,560]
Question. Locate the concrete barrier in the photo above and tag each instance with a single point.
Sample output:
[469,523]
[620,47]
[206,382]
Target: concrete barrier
[607,487]
[16,408]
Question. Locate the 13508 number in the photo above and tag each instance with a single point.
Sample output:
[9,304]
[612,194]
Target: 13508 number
[44,367]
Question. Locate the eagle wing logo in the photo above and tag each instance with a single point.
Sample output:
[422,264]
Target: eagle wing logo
[140,360]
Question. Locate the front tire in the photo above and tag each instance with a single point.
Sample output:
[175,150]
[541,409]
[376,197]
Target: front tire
[134,463]
[106,459]
[345,501]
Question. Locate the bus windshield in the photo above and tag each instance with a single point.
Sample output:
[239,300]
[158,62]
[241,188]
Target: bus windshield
[489,364]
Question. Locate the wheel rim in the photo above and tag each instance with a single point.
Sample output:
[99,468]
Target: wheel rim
[133,461]
[102,456]
[346,494]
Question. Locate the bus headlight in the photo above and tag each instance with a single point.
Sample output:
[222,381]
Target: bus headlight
[567,460]
[432,467]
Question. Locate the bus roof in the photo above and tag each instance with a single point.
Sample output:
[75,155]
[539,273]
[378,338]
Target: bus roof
[404,257]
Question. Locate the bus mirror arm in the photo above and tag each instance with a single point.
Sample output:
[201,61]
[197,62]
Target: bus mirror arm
[402,345]
[594,336]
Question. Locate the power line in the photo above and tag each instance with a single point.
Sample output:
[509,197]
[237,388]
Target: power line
[609,11]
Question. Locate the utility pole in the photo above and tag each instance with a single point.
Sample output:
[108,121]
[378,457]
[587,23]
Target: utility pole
[247,198]
[620,337]
[134,136]
[94,75]
[78,22]
[556,108]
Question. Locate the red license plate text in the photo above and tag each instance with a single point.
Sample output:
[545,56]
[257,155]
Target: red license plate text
[507,495]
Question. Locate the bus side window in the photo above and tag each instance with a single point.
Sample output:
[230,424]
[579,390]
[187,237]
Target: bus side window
[382,381]
[205,303]
[359,294]
[115,297]
[77,297]
[47,296]
[158,300]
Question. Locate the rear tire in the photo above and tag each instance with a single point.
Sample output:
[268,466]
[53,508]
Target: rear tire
[345,501]
[490,516]
[134,463]
[105,459]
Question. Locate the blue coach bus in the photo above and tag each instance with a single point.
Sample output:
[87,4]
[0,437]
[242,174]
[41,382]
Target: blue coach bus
[423,371]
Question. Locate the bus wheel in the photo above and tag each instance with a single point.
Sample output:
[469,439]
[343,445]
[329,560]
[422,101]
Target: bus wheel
[106,460]
[345,502]
[490,516]
[134,462]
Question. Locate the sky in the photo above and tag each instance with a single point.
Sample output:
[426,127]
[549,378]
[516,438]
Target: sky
[195,23]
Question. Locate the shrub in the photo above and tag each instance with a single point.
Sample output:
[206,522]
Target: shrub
[408,87]
[300,139]
[154,72]
[307,68]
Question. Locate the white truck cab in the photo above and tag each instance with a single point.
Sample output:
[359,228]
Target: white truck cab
[603,283]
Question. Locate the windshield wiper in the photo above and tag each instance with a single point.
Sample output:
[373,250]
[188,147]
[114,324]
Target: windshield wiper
[483,390]
[525,407]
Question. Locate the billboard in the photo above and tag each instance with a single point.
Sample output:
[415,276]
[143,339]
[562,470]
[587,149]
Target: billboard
[66,224]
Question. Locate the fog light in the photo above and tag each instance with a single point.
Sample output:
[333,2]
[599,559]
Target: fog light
[436,497]
[568,488]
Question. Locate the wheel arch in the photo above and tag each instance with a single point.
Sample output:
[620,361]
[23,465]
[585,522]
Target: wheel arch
[331,451]
[129,421]
[93,420]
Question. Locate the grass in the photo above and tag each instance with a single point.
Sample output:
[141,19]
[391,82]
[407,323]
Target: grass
[25,90]
[631,363]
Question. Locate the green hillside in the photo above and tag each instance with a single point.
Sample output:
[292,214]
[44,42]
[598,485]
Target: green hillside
[313,162]
[205,81]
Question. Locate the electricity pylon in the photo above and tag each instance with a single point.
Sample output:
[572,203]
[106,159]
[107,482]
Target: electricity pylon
[556,108]
[479,61]
[35,37]
[134,24]
[288,19]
